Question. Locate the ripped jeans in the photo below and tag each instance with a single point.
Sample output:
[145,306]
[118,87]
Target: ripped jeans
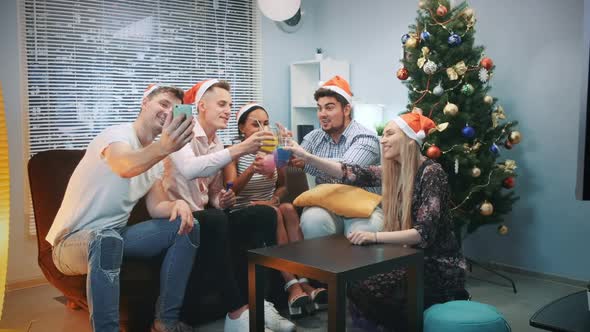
[99,253]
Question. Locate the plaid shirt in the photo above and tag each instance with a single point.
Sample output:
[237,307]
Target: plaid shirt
[357,146]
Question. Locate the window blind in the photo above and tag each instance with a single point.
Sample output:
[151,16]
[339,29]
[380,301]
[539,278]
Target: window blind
[88,62]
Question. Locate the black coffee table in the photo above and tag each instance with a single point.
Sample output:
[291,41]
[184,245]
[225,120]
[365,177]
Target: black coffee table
[567,314]
[334,261]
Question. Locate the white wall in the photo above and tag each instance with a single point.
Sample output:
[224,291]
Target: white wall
[22,259]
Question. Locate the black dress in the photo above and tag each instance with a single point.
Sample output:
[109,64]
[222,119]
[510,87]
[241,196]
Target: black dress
[379,302]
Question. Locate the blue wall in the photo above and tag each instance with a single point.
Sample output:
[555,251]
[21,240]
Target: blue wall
[538,49]
[279,49]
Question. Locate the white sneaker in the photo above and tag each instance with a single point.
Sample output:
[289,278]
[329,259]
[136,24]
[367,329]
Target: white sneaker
[240,324]
[274,321]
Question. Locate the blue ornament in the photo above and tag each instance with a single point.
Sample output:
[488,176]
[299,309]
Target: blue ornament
[425,35]
[454,40]
[405,38]
[468,132]
[494,149]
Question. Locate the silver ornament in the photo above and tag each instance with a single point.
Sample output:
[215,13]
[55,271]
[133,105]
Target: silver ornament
[430,67]
[438,90]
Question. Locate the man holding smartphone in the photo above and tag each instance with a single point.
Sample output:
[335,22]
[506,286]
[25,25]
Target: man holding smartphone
[90,234]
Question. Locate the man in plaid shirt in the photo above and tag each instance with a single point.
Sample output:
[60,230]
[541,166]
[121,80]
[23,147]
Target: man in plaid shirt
[342,139]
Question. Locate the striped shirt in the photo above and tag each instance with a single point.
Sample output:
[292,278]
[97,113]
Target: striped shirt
[259,188]
[357,146]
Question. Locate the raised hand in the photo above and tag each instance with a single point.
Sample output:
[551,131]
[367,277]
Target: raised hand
[176,133]
[256,141]
[297,150]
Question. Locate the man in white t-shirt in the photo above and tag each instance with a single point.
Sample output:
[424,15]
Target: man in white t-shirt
[90,234]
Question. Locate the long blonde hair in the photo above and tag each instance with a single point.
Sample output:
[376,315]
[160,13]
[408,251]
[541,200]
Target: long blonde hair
[398,186]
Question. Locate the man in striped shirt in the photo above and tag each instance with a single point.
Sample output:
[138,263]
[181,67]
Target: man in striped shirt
[342,139]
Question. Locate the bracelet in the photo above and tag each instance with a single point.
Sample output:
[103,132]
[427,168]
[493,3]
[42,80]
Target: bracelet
[375,235]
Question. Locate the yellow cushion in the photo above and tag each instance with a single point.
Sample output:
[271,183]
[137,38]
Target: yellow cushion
[341,199]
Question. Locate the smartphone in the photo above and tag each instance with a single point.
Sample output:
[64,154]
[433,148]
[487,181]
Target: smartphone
[183,109]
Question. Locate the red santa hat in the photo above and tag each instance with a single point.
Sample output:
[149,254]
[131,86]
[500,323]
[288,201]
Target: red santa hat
[150,88]
[340,86]
[194,94]
[246,108]
[415,125]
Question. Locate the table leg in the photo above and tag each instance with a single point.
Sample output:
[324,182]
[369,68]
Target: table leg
[336,305]
[415,275]
[256,296]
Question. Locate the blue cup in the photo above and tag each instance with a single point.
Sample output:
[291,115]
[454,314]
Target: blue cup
[282,157]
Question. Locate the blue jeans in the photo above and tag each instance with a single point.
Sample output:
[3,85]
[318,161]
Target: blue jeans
[99,253]
[317,222]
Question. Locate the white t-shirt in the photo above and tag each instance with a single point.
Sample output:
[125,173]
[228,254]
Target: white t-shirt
[96,197]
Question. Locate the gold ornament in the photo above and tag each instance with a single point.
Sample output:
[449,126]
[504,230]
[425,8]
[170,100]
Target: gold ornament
[421,4]
[421,62]
[502,229]
[475,172]
[488,100]
[451,109]
[508,166]
[425,51]
[497,115]
[468,13]
[515,137]
[457,70]
[440,127]
[411,43]
[486,209]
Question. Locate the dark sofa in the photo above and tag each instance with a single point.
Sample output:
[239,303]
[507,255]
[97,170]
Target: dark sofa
[49,173]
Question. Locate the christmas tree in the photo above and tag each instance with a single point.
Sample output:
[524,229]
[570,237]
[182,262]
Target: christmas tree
[448,80]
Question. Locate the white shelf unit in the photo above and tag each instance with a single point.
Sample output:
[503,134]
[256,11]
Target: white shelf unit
[305,80]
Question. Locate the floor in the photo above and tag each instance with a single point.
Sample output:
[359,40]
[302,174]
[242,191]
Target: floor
[38,306]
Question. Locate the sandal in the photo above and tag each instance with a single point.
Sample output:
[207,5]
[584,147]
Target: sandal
[297,304]
[318,297]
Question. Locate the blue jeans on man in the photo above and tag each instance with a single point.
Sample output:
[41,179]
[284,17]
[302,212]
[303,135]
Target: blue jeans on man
[99,254]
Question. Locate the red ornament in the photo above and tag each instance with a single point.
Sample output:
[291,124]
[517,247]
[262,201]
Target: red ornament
[487,63]
[508,182]
[441,10]
[508,145]
[433,152]
[403,74]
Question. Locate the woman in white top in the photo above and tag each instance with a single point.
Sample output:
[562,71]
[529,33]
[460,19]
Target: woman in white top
[254,185]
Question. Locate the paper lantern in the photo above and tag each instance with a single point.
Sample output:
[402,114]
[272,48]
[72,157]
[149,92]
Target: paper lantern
[279,10]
